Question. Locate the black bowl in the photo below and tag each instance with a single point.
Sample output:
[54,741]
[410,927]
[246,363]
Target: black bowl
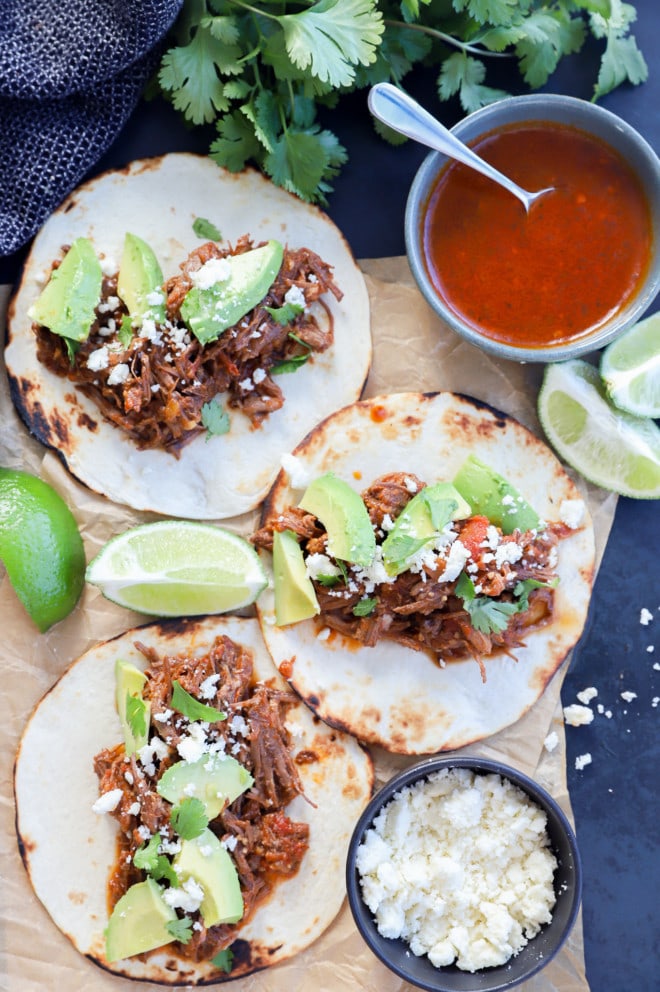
[536,954]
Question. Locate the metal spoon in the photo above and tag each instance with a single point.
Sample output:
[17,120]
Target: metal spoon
[403,114]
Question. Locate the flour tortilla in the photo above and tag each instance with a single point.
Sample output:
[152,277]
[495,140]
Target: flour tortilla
[389,694]
[158,199]
[68,850]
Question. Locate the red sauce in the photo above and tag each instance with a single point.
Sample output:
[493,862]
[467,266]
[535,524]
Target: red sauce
[378,414]
[556,273]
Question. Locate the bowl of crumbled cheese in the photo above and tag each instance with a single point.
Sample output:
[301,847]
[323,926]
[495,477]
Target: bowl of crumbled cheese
[463,875]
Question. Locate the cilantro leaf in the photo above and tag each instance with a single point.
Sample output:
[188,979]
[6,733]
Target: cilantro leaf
[224,960]
[487,615]
[180,929]
[71,349]
[236,142]
[189,73]
[137,715]
[186,704]
[215,418]
[522,589]
[189,818]
[463,74]
[125,332]
[622,59]
[332,36]
[365,607]
[327,580]
[206,229]
[147,858]
[285,314]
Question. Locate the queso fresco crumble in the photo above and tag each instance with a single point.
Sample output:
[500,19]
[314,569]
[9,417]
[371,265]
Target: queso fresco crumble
[459,865]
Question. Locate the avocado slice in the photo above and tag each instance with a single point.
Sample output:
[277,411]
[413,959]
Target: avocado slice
[490,495]
[295,597]
[207,861]
[207,312]
[214,779]
[140,277]
[68,302]
[138,922]
[424,517]
[342,512]
[129,682]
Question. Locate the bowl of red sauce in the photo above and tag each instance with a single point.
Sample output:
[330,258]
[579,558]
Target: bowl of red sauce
[570,275]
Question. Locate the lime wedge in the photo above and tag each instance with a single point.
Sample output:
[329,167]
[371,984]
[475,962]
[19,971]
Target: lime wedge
[630,368]
[609,447]
[176,568]
[41,547]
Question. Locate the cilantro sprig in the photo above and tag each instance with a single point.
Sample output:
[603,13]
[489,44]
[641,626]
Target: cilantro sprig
[489,615]
[189,818]
[261,73]
[147,858]
[187,705]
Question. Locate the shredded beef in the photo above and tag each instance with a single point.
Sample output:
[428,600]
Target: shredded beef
[171,376]
[265,844]
[419,608]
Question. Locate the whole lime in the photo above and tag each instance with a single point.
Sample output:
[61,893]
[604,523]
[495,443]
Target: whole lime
[41,547]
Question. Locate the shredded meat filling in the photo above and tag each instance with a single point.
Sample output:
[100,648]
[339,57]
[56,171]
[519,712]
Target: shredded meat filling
[265,844]
[154,386]
[420,608]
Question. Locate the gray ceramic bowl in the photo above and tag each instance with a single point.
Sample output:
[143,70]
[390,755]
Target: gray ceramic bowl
[564,110]
[537,953]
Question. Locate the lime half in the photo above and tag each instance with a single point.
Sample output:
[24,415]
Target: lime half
[607,446]
[630,368]
[176,568]
[41,547]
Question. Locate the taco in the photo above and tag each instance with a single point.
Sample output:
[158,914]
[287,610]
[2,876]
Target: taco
[476,584]
[194,878]
[178,392]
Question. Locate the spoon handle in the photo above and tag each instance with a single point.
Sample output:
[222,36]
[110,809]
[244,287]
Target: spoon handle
[403,114]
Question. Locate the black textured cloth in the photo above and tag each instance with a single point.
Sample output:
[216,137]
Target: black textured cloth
[71,73]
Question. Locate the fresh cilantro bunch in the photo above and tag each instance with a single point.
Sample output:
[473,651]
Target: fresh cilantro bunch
[260,70]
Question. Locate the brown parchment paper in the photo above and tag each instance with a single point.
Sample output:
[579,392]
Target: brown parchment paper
[413,350]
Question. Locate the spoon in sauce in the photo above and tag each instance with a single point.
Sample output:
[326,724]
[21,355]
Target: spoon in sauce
[403,114]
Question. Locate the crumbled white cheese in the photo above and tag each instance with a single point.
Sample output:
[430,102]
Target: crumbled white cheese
[150,331]
[459,866]
[297,471]
[230,843]
[577,715]
[108,801]
[645,617]
[572,512]
[587,694]
[134,808]
[551,741]
[582,761]
[319,564]
[628,696]
[119,374]
[209,687]
[458,555]
[194,744]
[213,271]
[108,265]
[98,359]
[295,296]
[188,896]
[508,552]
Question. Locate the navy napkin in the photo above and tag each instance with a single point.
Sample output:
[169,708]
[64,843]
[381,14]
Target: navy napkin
[71,73]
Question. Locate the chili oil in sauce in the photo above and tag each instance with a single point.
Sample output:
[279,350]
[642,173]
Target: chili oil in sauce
[557,273]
